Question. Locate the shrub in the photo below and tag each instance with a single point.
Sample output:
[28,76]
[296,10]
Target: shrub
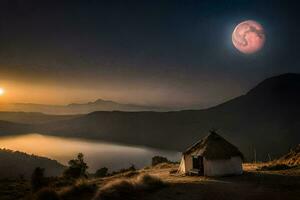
[123,170]
[77,167]
[102,172]
[46,194]
[38,178]
[131,168]
[159,159]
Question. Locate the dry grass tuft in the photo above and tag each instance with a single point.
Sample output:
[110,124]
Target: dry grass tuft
[292,158]
[130,174]
[147,182]
[276,167]
[129,188]
[173,171]
[164,166]
[46,194]
[80,190]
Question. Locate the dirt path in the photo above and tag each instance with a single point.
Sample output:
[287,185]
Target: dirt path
[250,185]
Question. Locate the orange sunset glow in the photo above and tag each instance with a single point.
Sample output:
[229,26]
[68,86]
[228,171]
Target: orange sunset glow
[168,100]
[1,91]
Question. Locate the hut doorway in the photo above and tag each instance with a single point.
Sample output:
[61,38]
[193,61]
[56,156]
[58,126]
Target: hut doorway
[198,164]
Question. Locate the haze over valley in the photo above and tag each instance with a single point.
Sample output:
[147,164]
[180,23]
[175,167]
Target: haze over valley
[264,120]
[97,153]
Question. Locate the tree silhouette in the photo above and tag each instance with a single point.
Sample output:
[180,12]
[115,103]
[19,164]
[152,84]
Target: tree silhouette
[77,167]
[38,178]
[102,172]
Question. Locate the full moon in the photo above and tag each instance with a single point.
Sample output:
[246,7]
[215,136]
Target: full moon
[248,37]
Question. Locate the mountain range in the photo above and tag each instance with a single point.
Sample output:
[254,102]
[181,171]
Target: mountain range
[76,108]
[265,122]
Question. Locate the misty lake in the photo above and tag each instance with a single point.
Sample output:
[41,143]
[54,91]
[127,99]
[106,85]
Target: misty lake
[97,154]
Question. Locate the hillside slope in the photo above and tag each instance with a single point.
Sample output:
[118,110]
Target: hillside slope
[291,158]
[11,128]
[265,120]
[15,164]
[32,117]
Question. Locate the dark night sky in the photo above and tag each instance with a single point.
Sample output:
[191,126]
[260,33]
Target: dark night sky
[176,53]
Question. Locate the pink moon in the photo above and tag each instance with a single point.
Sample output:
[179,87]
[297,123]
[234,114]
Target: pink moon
[248,37]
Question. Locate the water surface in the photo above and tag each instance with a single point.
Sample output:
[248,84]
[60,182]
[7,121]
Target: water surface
[97,154]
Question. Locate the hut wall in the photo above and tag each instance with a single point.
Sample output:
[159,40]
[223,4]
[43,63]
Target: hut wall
[188,163]
[232,166]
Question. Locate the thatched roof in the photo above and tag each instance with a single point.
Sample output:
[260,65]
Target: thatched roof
[214,147]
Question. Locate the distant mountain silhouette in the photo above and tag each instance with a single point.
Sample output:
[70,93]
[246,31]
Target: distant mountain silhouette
[107,105]
[10,128]
[265,120]
[75,108]
[15,164]
[32,117]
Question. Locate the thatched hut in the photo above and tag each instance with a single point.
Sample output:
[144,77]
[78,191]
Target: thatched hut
[212,156]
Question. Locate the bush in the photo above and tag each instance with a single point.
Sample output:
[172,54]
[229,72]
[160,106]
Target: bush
[46,194]
[159,159]
[129,188]
[77,168]
[131,168]
[102,172]
[38,178]
[123,170]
